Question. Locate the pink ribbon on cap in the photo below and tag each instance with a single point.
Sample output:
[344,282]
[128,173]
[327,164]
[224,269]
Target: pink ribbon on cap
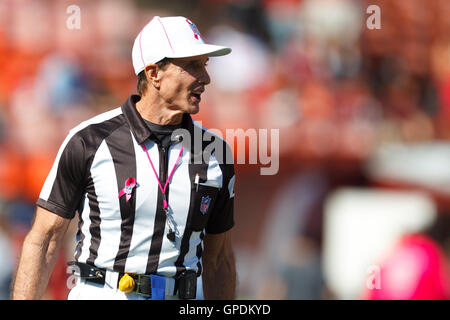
[130,183]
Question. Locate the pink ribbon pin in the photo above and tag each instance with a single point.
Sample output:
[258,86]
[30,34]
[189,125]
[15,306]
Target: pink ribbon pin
[130,183]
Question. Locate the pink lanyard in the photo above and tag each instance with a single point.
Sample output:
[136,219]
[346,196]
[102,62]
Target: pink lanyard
[163,190]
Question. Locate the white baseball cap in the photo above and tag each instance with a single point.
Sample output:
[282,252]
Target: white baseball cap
[170,37]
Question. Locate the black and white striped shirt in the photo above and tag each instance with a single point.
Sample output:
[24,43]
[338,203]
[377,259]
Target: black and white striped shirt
[91,168]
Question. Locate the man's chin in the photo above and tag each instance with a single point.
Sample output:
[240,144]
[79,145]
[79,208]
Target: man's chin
[193,109]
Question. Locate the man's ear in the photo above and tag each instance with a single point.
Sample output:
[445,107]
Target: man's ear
[152,73]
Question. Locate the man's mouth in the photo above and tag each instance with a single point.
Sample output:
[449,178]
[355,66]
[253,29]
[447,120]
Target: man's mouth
[196,95]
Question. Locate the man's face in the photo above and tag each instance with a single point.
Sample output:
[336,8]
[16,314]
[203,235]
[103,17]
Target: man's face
[182,82]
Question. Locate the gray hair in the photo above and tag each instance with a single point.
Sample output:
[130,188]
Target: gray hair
[142,77]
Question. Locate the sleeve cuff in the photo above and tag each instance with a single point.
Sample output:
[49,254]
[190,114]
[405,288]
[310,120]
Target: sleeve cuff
[56,209]
[219,230]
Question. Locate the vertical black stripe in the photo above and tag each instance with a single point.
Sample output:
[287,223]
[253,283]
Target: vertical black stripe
[195,167]
[199,254]
[92,137]
[94,217]
[68,186]
[160,216]
[184,249]
[120,144]
[80,235]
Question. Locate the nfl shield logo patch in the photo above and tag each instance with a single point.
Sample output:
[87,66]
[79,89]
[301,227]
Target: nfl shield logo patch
[204,204]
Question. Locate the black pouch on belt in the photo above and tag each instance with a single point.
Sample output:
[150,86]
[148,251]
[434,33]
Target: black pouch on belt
[187,285]
[88,272]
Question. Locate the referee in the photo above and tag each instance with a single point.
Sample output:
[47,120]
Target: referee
[152,216]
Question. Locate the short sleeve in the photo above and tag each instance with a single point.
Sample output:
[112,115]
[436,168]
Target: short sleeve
[222,217]
[64,186]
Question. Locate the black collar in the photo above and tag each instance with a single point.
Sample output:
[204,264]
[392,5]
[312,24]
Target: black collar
[137,124]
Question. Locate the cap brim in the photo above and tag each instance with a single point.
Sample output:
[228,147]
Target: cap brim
[202,49]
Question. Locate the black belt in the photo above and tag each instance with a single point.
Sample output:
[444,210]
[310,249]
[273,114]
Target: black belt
[185,284]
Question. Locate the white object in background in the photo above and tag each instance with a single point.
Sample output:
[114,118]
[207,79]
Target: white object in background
[360,225]
[422,164]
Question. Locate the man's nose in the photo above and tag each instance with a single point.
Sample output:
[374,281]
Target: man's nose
[204,77]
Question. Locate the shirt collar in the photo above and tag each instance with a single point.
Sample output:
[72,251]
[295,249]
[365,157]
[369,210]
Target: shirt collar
[137,124]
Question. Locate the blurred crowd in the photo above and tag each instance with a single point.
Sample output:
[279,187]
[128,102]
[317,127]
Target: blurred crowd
[335,89]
